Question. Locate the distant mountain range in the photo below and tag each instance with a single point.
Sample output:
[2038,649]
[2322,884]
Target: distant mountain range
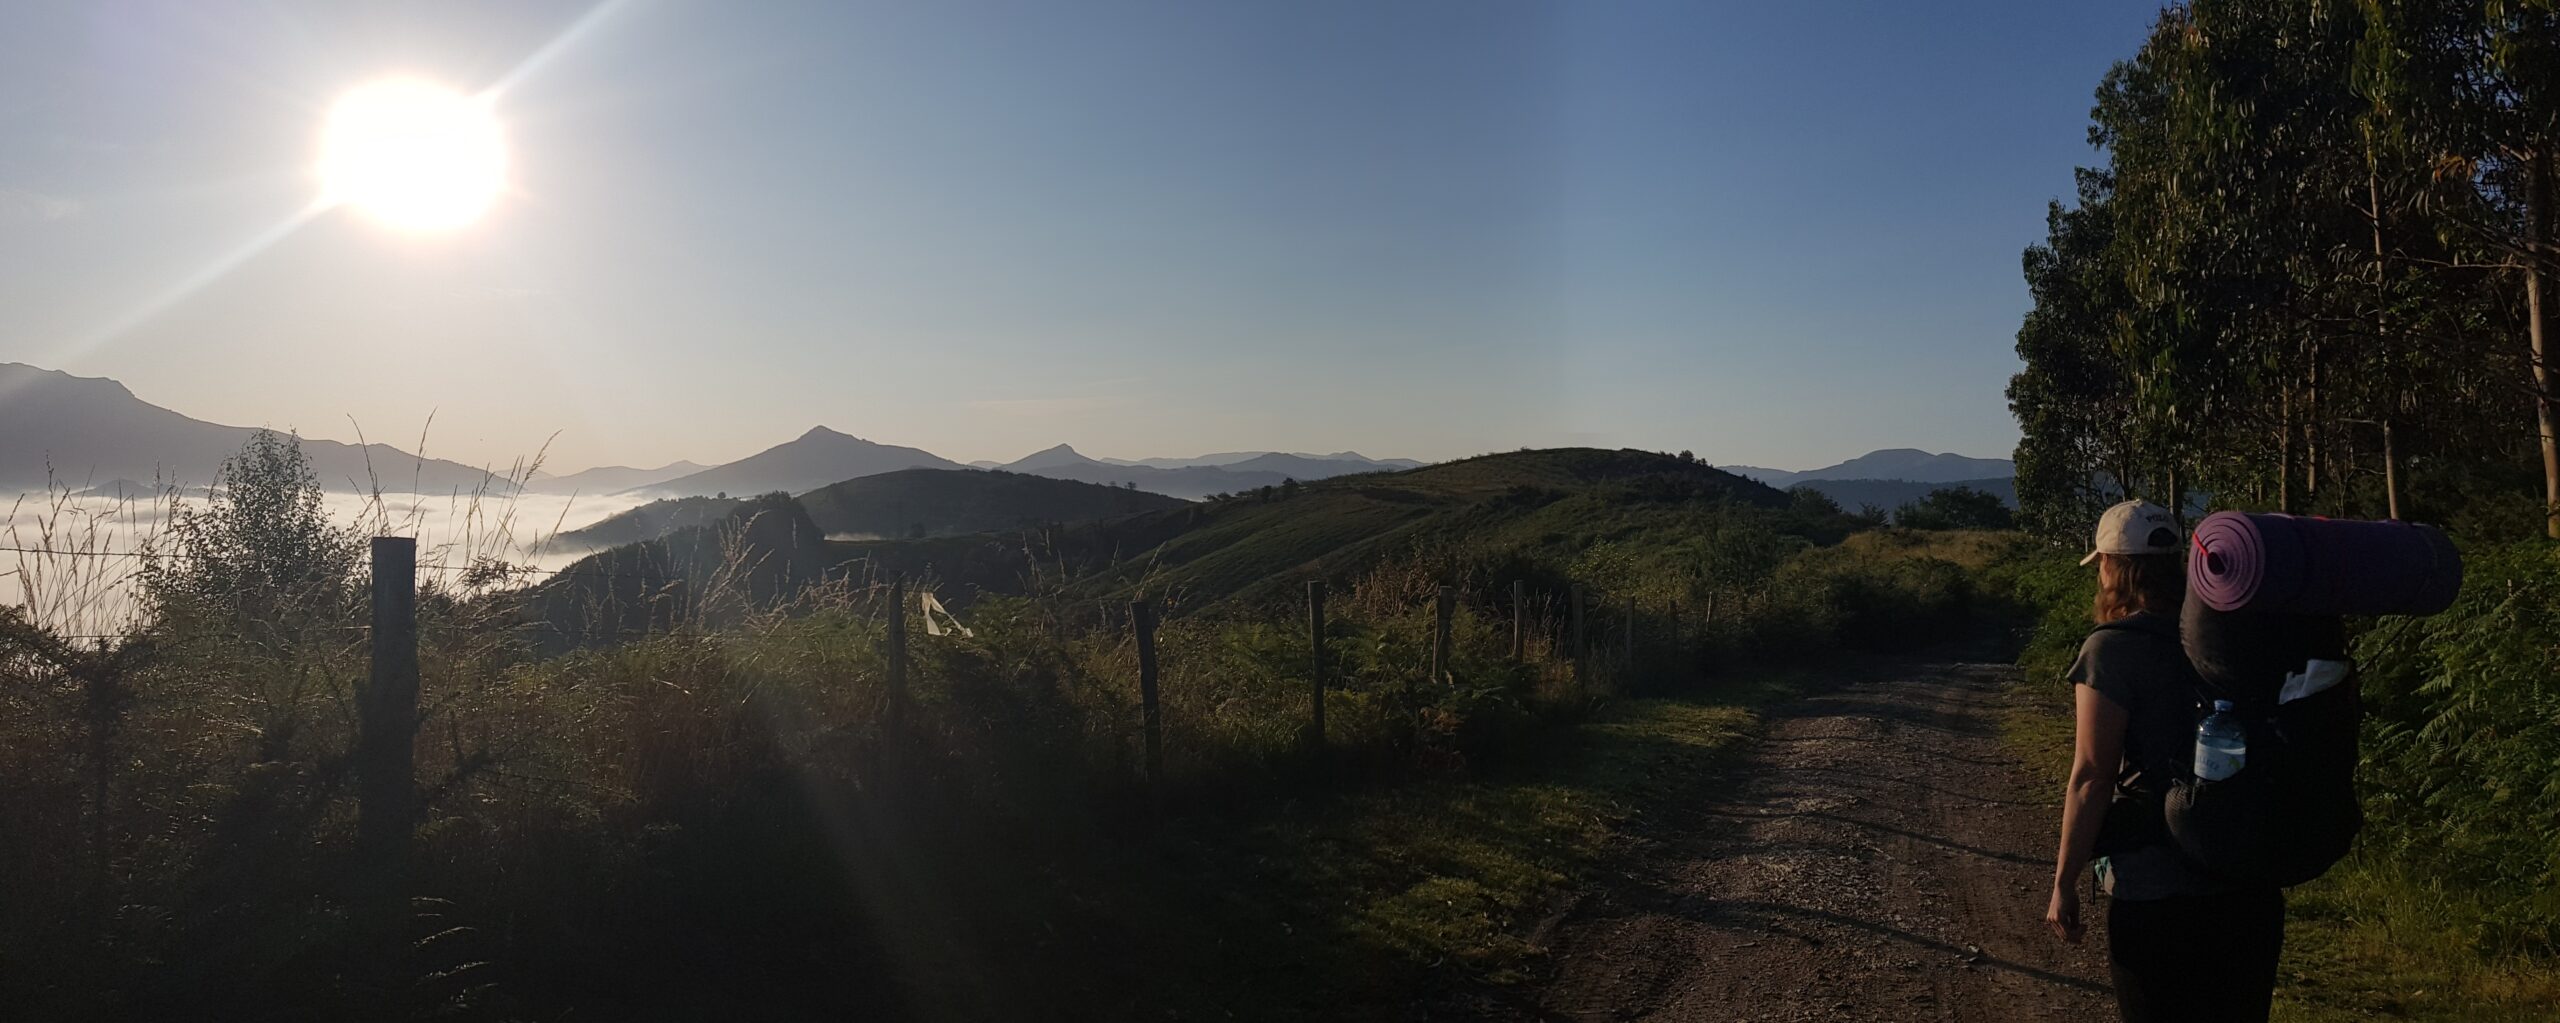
[1889,478]
[807,462]
[1905,464]
[90,433]
[611,479]
[823,456]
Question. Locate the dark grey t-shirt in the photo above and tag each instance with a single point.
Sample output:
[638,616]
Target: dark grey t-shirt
[2145,673]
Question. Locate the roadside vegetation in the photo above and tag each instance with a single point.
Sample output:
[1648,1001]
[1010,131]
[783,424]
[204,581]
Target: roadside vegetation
[711,814]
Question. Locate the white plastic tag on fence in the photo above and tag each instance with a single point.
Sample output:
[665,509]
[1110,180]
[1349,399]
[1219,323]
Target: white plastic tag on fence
[932,607]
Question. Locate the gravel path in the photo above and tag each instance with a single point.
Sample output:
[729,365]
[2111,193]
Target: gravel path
[1876,857]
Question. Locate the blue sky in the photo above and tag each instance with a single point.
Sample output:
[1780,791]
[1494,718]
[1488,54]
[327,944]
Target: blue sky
[1774,233]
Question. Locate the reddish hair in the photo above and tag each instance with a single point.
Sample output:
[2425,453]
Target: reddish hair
[2128,583]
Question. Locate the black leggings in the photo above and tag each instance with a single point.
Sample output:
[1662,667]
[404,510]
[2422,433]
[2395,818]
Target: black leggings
[2196,959]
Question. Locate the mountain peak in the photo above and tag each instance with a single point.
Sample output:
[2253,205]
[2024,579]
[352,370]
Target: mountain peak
[18,374]
[822,433]
[1060,456]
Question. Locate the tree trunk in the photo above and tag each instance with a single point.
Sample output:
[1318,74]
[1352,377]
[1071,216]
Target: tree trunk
[2382,324]
[2390,470]
[2539,199]
[2311,432]
[2284,452]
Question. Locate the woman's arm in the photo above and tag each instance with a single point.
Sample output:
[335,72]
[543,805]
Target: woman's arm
[2097,756]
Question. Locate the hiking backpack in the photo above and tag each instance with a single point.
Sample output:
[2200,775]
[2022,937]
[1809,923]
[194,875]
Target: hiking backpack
[2291,812]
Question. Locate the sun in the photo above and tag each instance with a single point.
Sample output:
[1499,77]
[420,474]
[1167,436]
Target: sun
[412,154]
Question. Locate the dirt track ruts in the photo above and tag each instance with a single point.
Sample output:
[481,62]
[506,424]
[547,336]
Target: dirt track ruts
[1876,856]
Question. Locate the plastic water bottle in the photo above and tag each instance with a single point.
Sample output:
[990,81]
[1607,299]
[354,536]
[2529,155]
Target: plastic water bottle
[2222,746]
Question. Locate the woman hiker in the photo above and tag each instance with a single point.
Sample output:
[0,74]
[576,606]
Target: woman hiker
[2182,945]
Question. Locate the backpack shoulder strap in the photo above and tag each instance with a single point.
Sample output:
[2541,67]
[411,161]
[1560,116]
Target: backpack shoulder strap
[2164,629]
[2154,626]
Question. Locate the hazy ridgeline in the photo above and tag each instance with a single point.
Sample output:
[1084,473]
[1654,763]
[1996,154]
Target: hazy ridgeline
[716,813]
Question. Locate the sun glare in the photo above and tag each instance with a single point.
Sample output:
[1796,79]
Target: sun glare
[412,154]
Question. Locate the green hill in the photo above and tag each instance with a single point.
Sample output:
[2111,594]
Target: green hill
[1549,506]
[1657,522]
[943,502]
[905,504]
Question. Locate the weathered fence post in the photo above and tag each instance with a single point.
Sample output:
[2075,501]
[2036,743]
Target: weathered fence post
[1442,607]
[1580,650]
[1627,647]
[1519,618]
[1315,665]
[893,713]
[1142,622]
[387,730]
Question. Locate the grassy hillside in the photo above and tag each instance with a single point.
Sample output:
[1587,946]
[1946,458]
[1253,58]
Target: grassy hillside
[908,503]
[943,502]
[1555,506]
[650,521]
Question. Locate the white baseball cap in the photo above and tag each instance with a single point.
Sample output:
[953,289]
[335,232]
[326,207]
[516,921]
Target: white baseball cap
[2135,527]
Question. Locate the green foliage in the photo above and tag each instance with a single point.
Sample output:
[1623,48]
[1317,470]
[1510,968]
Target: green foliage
[261,556]
[2294,277]
[1955,508]
[2466,710]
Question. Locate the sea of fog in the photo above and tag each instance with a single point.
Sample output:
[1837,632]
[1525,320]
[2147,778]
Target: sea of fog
[72,562]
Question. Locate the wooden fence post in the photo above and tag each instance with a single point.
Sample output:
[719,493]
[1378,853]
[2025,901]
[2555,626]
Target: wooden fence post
[1442,607]
[1627,652]
[1315,665]
[387,732]
[893,715]
[1142,622]
[1580,650]
[1519,618]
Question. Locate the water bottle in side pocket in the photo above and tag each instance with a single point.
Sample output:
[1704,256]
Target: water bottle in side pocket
[2222,746]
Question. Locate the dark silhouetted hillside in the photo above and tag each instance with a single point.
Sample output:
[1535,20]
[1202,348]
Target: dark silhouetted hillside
[944,502]
[815,459]
[649,521]
[86,431]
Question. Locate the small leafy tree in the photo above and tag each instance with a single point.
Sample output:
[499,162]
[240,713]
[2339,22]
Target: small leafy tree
[256,587]
[261,557]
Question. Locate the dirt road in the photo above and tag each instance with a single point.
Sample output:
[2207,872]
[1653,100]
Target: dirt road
[1875,857]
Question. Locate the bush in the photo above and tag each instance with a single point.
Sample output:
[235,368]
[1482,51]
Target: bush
[2463,750]
[1955,508]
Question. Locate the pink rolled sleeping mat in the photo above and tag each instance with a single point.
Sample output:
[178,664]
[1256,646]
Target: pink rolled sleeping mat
[2289,564]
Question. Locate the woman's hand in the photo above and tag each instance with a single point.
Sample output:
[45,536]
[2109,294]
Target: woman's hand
[2063,913]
